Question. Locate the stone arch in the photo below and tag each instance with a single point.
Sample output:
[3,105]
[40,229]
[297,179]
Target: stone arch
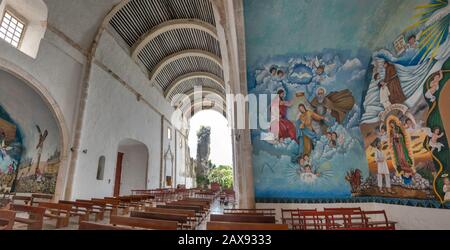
[63,185]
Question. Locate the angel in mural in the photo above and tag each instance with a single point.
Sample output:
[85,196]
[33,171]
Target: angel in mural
[280,126]
[434,86]
[40,148]
[397,139]
[307,173]
[434,137]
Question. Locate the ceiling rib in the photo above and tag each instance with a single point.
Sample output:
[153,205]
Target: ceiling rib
[169,26]
[170,89]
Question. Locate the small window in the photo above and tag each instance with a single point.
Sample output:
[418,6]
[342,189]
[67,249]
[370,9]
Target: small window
[101,168]
[12,29]
[169,134]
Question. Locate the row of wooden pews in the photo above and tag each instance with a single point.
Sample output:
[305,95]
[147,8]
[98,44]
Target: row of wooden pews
[245,219]
[336,219]
[298,219]
[34,211]
[168,209]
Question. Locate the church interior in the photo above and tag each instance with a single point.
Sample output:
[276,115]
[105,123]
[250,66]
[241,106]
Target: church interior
[337,114]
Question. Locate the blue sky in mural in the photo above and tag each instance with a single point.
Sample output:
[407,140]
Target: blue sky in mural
[279,27]
[28,113]
[291,35]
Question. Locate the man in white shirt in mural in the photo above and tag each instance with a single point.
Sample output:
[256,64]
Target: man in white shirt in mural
[382,167]
[384,92]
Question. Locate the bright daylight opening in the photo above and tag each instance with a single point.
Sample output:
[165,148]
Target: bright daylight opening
[211,149]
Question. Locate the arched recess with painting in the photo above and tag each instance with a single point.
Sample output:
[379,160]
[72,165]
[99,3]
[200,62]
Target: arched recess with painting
[33,136]
[131,167]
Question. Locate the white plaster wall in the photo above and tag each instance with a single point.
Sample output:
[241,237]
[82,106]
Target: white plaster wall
[57,71]
[111,54]
[113,114]
[408,218]
[134,168]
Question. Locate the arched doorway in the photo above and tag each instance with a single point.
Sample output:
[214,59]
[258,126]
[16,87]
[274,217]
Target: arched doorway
[131,167]
[210,145]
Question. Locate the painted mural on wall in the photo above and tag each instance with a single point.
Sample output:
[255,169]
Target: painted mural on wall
[30,150]
[353,124]
[406,143]
[313,144]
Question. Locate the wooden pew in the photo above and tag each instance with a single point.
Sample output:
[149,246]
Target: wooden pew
[120,205]
[378,220]
[82,210]
[200,213]
[85,225]
[182,219]
[111,206]
[345,209]
[36,198]
[58,211]
[137,222]
[289,216]
[7,218]
[244,226]
[98,208]
[192,218]
[25,200]
[35,220]
[265,212]
[243,218]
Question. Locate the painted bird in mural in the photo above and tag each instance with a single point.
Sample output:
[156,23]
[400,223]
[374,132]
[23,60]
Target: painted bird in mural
[40,147]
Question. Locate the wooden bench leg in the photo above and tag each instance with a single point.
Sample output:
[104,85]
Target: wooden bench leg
[84,217]
[62,222]
[99,216]
[36,226]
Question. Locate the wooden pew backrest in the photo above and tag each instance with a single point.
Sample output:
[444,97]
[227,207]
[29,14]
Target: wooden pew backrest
[84,225]
[243,218]
[7,219]
[143,223]
[244,226]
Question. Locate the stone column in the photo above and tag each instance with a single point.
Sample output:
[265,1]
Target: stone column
[230,27]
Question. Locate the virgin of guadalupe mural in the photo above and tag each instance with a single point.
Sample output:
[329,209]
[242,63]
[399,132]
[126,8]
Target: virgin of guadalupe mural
[400,106]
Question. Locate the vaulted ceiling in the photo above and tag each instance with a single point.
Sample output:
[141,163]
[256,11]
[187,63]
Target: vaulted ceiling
[177,43]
